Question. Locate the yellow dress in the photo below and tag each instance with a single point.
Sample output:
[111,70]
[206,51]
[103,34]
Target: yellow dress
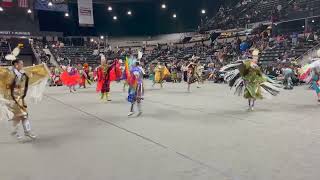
[160,73]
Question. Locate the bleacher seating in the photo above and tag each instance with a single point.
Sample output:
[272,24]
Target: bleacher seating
[76,54]
[272,55]
[4,48]
[263,10]
[304,8]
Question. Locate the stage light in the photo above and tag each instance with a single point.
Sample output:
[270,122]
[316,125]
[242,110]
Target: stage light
[1,9]
[91,40]
[50,4]
[29,11]
[174,15]
[203,11]
[313,20]
[66,14]
[129,13]
[109,8]
[302,26]
[115,17]
[101,37]
[163,6]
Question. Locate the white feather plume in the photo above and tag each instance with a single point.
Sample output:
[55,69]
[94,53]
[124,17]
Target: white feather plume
[16,51]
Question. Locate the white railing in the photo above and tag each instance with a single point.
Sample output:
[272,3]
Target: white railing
[307,56]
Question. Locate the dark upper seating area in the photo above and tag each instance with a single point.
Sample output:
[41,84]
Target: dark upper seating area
[253,11]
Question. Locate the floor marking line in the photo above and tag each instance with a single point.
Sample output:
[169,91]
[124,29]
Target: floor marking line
[145,138]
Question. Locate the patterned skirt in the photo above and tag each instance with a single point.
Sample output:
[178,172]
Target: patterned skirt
[136,94]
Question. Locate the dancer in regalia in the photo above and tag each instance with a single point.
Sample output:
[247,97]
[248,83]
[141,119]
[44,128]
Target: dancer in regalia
[17,83]
[70,78]
[192,75]
[105,75]
[160,73]
[85,75]
[134,75]
[310,73]
[246,77]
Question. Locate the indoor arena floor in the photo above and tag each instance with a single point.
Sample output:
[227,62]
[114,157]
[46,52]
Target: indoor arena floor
[204,135]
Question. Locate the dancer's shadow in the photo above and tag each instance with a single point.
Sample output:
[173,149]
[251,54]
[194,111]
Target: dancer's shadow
[239,113]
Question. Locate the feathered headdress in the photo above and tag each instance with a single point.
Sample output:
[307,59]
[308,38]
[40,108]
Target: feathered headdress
[13,55]
[103,57]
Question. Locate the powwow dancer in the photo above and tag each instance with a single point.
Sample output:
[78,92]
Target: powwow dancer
[17,83]
[105,75]
[160,73]
[310,73]
[70,78]
[192,75]
[85,75]
[247,78]
[134,74]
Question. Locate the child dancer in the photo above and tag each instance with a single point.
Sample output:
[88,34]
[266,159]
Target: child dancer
[136,90]
[71,78]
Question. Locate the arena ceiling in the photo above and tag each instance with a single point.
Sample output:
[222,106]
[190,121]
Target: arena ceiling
[148,17]
[116,1]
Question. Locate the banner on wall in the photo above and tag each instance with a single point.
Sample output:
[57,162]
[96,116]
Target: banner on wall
[14,33]
[85,12]
[61,6]
[7,3]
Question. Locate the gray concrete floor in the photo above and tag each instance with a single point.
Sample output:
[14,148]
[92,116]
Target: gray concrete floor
[203,135]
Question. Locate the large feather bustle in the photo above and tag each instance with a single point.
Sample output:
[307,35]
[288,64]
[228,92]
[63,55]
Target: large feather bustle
[230,67]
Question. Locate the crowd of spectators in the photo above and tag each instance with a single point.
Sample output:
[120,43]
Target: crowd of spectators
[253,11]
[4,49]
[38,50]
[221,51]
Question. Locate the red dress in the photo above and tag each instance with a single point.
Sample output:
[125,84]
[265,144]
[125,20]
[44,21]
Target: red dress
[106,74]
[70,77]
